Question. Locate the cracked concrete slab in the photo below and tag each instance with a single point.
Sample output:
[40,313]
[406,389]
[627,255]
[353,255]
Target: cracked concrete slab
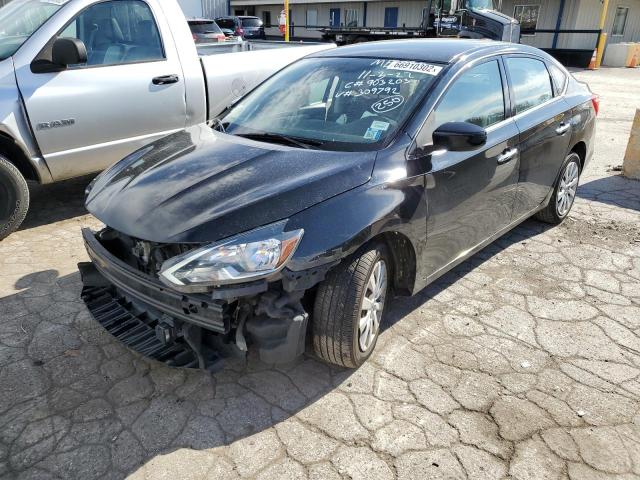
[522,363]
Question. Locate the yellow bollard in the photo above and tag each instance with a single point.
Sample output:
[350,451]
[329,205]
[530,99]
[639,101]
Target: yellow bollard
[631,164]
[601,43]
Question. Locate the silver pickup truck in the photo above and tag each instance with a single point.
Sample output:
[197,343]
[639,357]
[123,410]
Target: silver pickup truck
[83,83]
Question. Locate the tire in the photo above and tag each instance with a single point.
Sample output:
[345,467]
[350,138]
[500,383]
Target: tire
[338,308]
[555,212]
[14,198]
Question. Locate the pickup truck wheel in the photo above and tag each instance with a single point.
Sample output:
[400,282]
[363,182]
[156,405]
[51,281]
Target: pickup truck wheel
[564,192]
[349,306]
[14,198]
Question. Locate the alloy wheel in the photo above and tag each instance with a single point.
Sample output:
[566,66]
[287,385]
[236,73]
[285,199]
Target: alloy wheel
[372,306]
[567,188]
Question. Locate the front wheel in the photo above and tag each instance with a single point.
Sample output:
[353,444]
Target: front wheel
[349,306]
[14,198]
[564,192]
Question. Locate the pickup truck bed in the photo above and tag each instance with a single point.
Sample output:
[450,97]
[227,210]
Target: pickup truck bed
[244,66]
[99,79]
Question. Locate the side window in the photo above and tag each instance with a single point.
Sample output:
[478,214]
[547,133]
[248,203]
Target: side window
[530,81]
[475,97]
[117,32]
[558,76]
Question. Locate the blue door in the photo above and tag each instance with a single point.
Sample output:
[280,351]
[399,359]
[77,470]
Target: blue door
[391,17]
[334,17]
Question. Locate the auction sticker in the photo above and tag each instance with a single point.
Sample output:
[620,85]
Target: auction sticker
[417,67]
[378,125]
[373,134]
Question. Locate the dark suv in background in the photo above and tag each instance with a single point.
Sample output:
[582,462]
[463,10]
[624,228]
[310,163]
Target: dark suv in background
[245,27]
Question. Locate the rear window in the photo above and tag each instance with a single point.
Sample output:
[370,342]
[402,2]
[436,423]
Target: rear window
[226,23]
[204,27]
[251,22]
[559,78]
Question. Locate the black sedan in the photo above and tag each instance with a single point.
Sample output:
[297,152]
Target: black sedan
[351,175]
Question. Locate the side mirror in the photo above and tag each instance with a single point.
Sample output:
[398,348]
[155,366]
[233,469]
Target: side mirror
[59,54]
[68,51]
[459,136]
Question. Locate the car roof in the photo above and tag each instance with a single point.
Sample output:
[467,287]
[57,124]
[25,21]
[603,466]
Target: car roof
[439,50]
[207,20]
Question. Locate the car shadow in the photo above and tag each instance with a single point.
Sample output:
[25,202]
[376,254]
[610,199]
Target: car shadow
[403,306]
[97,396]
[615,190]
[55,202]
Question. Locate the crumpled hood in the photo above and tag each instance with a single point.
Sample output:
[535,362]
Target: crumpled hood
[198,185]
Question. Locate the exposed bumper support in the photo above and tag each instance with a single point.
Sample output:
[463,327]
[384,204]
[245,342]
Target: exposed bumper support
[199,310]
[189,331]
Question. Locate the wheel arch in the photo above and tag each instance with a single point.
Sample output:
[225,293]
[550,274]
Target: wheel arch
[581,149]
[403,257]
[14,154]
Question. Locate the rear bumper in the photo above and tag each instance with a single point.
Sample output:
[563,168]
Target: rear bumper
[146,290]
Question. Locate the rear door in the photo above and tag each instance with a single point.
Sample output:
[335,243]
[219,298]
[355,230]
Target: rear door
[544,121]
[470,194]
[90,116]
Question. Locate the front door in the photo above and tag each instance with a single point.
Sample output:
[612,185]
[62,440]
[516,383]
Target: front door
[90,116]
[334,17]
[391,17]
[470,194]
[545,132]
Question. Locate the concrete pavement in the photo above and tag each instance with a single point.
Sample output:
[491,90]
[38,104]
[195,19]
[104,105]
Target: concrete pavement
[522,363]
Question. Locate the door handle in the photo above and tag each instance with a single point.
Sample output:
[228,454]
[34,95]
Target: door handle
[563,128]
[166,80]
[507,155]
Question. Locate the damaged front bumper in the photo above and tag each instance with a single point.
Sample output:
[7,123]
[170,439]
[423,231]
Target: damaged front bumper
[191,330]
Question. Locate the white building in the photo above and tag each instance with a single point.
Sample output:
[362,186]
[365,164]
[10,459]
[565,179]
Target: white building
[622,24]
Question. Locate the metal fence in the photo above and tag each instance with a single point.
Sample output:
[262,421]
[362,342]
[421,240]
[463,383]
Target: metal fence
[214,8]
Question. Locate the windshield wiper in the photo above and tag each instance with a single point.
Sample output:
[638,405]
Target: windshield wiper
[279,138]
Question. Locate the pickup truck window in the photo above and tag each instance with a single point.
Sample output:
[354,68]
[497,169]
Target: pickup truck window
[117,32]
[20,19]
[347,104]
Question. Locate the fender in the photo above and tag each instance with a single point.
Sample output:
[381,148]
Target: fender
[336,228]
[15,130]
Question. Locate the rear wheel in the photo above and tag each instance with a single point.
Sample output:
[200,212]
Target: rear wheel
[14,198]
[564,193]
[349,306]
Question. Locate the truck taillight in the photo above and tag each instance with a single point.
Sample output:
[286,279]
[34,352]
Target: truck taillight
[595,100]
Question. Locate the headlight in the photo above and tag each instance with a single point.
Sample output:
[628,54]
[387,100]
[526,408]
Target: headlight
[256,254]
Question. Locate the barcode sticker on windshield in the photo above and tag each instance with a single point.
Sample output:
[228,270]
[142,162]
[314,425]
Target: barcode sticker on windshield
[418,67]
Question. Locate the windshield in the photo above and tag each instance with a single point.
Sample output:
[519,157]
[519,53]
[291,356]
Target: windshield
[348,104]
[204,27]
[480,5]
[227,23]
[20,19]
